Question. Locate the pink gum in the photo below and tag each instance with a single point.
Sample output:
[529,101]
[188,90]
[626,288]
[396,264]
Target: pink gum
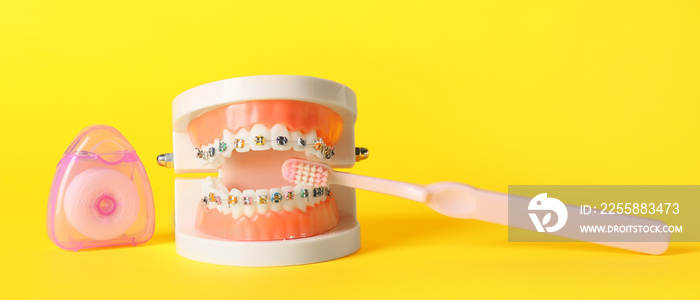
[271,225]
[296,115]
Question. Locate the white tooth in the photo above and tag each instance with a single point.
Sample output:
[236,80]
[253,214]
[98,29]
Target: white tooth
[210,159]
[312,196]
[311,136]
[225,207]
[244,135]
[277,131]
[319,154]
[218,183]
[216,161]
[204,161]
[322,197]
[289,204]
[310,154]
[207,185]
[311,200]
[211,205]
[298,200]
[236,209]
[325,197]
[294,137]
[279,206]
[205,149]
[211,189]
[310,139]
[223,195]
[248,210]
[263,207]
[220,159]
[229,139]
[257,131]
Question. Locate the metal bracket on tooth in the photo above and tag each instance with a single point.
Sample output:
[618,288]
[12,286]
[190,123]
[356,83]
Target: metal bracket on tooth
[166,160]
[361,153]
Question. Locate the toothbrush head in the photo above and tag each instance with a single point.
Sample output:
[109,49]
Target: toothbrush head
[304,172]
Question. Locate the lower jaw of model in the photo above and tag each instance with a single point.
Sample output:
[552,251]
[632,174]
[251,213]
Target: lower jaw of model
[248,142]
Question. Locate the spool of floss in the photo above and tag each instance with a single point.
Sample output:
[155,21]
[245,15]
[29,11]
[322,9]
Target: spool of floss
[100,195]
[101,203]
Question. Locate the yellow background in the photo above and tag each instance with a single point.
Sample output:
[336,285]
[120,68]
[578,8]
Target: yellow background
[489,93]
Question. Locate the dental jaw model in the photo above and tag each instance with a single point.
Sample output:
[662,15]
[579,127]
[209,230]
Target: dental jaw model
[244,129]
[251,128]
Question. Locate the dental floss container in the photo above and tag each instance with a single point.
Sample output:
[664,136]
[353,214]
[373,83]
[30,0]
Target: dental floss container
[100,195]
[341,240]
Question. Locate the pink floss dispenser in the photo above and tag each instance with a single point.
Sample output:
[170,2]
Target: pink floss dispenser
[100,194]
[247,214]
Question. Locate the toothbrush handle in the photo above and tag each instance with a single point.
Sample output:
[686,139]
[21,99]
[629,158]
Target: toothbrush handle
[379,185]
[463,201]
[493,207]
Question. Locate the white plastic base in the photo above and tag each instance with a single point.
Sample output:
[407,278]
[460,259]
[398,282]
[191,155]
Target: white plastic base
[341,241]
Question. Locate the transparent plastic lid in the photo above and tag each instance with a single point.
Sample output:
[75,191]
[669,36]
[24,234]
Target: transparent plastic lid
[100,194]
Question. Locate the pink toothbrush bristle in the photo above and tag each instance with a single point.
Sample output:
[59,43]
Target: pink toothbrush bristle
[307,173]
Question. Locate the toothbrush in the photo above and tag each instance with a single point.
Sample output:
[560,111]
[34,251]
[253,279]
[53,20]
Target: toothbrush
[462,201]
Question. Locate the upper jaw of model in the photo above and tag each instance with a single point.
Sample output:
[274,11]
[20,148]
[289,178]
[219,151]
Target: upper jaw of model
[261,138]
[250,200]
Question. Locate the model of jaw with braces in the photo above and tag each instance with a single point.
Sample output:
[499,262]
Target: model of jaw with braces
[248,142]
[244,129]
[248,127]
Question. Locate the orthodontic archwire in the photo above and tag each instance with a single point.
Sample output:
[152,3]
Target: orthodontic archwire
[276,197]
[318,144]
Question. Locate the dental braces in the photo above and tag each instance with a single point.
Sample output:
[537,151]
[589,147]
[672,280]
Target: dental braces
[259,140]
[276,197]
